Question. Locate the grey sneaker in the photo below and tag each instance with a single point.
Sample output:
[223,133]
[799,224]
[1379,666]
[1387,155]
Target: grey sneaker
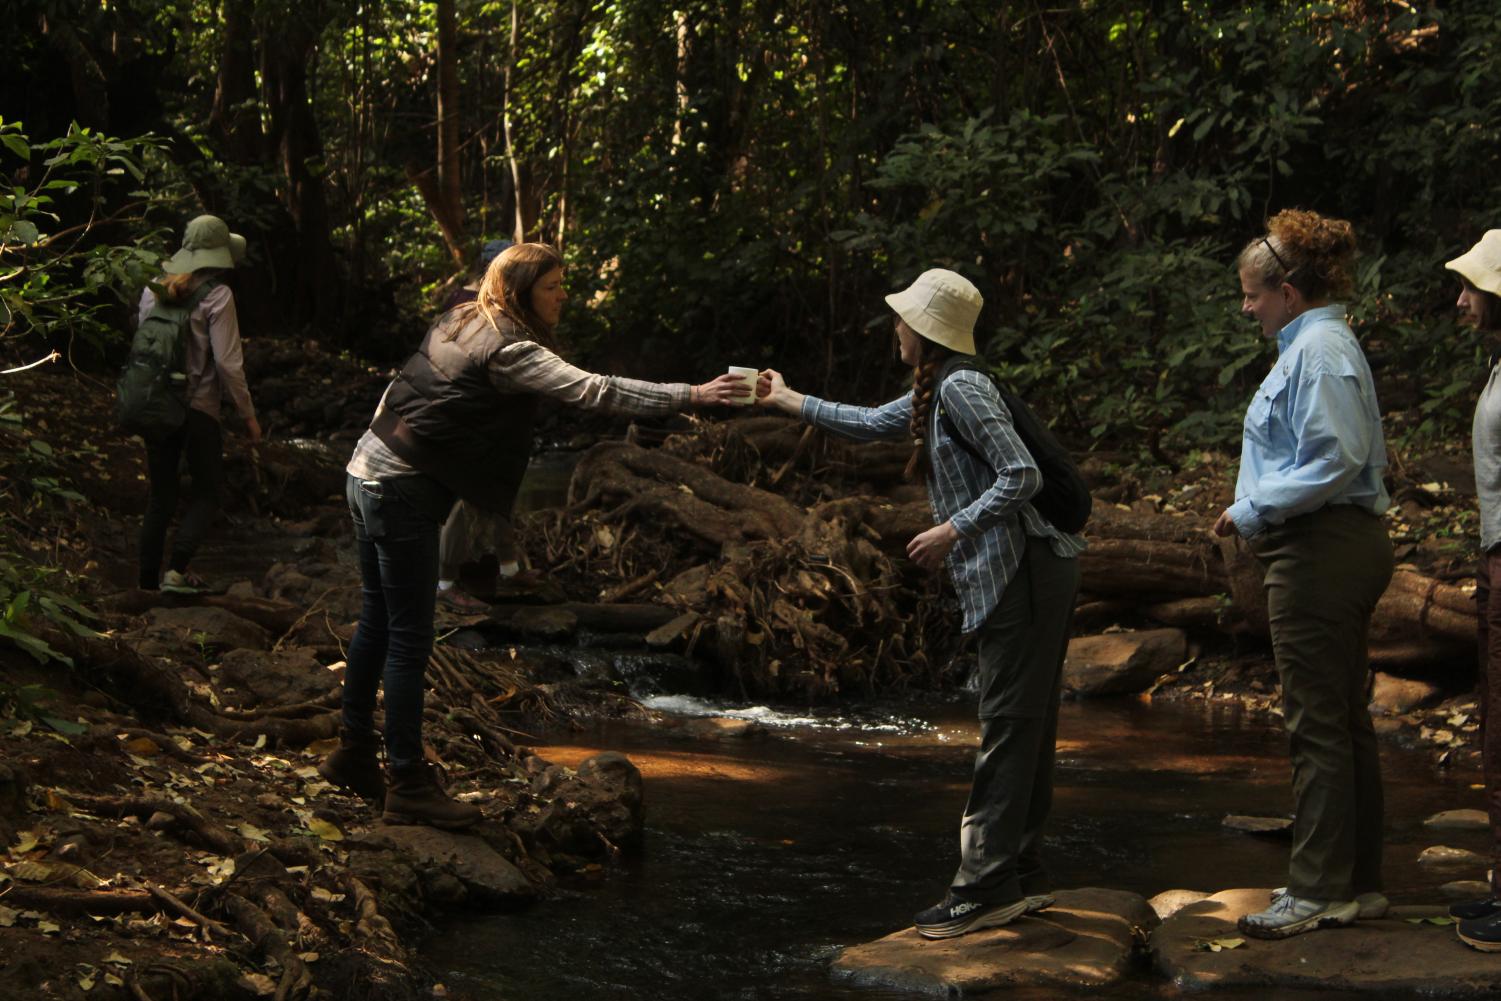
[1289,915]
[1373,905]
[182,583]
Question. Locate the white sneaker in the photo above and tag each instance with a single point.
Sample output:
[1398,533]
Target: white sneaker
[1289,915]
[1373,905]
[181,583]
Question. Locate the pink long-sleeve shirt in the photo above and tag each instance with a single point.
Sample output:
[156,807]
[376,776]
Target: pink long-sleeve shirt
[215,357]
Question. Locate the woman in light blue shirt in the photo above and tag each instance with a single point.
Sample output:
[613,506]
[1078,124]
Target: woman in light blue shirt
[1479,271]
[1308,502]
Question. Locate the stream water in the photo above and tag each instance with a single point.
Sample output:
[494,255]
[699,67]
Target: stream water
[763,857]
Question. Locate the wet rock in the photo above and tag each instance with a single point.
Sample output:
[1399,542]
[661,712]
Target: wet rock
[601,799]
[1385,957]
[1170,902]
[1086,939]
[1121,663]
[1465,889]
[1258,825]
[211,628]
[720,728]
[1444,855]
[1388,726]
[249,679]
[485,873]
[1394,696]
[1459,820]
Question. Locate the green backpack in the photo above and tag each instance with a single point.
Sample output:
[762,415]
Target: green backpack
[151,396]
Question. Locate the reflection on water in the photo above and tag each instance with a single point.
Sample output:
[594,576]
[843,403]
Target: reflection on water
[764,857]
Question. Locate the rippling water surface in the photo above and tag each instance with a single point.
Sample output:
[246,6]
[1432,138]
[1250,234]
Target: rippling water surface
[763,857]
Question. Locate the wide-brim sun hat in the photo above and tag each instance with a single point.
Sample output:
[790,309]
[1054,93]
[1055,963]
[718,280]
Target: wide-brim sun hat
[206,243]
[941,306]
[1481,264]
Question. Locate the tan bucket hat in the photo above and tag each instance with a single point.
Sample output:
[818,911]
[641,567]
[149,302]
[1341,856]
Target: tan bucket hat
[1481,264]
[206,243]
[942,306]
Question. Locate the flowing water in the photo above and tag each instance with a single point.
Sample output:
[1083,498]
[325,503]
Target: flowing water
[763,857]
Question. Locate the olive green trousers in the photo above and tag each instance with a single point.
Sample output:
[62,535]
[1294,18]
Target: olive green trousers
[1324,574]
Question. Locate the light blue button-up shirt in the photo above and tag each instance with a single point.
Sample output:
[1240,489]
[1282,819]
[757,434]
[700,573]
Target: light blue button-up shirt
[1312,434]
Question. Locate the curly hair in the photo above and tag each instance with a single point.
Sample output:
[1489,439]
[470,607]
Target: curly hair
[1310,252]
[506,289]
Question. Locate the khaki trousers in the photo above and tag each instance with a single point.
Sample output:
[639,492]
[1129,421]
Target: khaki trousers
[1324,574]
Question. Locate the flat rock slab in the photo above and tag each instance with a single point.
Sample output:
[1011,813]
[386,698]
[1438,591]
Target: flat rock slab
[1086,939]
[1384,957]
[1459,820]
[483,870]
[1282,826]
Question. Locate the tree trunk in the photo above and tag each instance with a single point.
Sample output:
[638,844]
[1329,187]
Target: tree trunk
[450,198]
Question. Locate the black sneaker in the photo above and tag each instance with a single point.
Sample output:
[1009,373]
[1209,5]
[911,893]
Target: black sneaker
[1471,910]
[955,916]
[1482,933]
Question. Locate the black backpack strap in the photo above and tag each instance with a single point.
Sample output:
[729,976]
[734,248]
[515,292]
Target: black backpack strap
[950,428]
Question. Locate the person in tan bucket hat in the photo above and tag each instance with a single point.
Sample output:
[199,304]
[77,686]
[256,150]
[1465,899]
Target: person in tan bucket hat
[215,369]
[1479,271]
[1015,573]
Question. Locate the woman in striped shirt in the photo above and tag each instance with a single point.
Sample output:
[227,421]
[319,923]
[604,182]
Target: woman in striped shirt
[1015,573]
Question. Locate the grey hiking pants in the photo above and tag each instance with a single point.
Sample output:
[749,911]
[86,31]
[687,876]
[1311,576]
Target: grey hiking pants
[1022,645]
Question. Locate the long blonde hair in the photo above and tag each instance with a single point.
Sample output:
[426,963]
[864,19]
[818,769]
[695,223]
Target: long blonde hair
[506,289]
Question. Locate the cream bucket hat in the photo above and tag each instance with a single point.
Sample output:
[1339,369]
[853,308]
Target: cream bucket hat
[941,306]
[206,243]
[1481,264]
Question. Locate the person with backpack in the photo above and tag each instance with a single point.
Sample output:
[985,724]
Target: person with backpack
[1479,271]
[456,422]
[1016,574]
[195,311]
[1308,502]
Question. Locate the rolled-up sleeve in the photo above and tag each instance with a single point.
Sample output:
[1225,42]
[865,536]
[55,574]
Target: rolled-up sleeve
[530,367]
[982,420]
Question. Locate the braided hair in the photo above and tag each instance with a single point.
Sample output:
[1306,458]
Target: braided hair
[924,388]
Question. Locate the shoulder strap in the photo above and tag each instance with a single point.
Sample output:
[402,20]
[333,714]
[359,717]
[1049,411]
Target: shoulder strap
[953,365]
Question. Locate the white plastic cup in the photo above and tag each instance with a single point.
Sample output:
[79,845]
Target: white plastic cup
[749,377]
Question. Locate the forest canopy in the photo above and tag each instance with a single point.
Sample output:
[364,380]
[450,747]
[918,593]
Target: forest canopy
[739,181]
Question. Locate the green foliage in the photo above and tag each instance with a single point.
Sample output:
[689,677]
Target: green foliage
[25,595]
[54,274]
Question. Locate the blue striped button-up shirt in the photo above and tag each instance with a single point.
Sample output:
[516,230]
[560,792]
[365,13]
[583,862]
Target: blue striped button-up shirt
[1312,433]
[987,504]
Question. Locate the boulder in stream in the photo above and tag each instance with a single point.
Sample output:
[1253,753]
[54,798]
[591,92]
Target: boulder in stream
[1086,939]
[1383,957]
[1122,663]
[486,875]
[1459,820]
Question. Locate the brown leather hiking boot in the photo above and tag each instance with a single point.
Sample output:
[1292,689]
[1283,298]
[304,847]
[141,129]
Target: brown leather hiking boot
[413,796]
[355,765]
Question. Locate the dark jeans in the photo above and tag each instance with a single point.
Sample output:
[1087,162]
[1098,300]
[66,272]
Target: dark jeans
[1022,645]
[1488,622]
[201,440]
[397,533]
[1325,572]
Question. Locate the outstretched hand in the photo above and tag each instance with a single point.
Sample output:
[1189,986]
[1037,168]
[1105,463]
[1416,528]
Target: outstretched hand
[771,390]
[1224,525]
[722,390]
